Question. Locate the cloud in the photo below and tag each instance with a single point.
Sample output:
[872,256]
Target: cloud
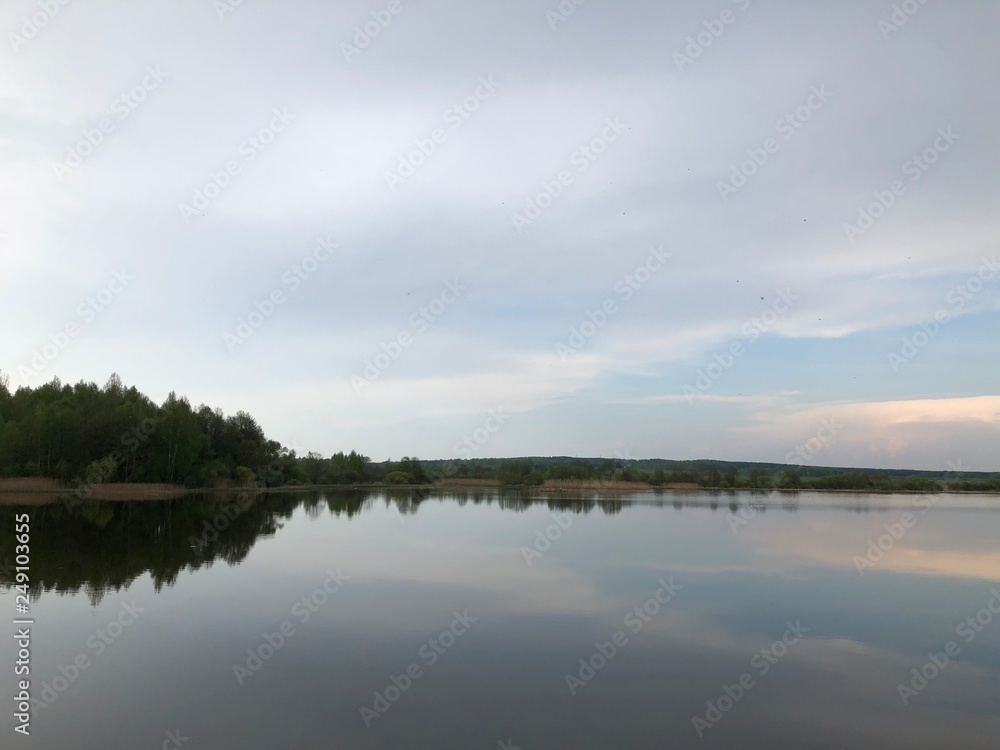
[654,185]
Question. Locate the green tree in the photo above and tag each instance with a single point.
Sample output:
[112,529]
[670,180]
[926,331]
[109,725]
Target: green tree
[520,472]
[314,467]
[244,476]
[790,479]
[712,478]
[399,477]
[759,479]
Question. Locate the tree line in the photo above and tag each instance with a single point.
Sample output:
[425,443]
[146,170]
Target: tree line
[709,475]
[83,434]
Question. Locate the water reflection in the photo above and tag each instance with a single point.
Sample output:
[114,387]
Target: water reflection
[414,559]
[101,546]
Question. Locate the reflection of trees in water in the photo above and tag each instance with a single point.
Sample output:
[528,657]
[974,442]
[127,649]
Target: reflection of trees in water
[790,502]
[517,501]
[97,547]
[612,507]
[348,503]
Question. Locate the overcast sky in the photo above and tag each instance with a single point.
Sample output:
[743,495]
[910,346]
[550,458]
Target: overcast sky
[634,228]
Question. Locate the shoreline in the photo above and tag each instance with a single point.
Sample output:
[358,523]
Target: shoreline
[113,492]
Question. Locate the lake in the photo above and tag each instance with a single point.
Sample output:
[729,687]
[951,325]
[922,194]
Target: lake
[504,619]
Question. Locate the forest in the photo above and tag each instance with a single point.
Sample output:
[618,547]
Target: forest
[85,434]
[89,434]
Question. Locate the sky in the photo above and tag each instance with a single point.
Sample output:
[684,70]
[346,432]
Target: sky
[743,230]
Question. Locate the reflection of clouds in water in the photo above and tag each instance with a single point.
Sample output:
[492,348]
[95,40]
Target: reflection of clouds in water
[500,573]
[942,562]
[835,688]
[939,543]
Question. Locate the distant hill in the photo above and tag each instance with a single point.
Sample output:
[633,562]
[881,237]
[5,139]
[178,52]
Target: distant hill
[703,465]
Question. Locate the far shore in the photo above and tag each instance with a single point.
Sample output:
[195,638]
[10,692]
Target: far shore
[35,491]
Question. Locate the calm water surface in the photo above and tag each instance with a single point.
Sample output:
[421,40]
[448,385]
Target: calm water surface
[357,620]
